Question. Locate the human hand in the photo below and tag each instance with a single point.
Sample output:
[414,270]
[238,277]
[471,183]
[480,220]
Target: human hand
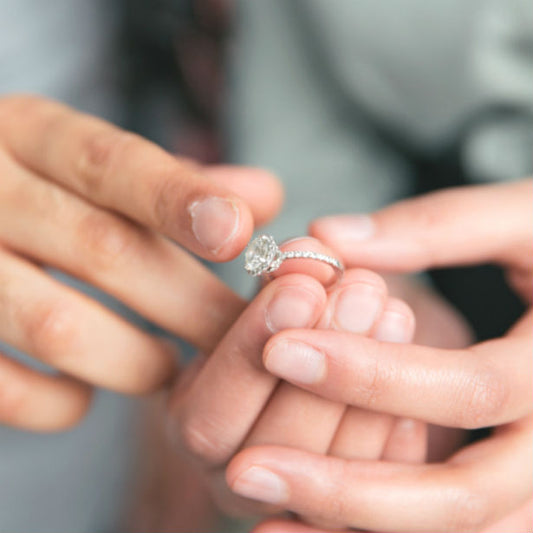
[481,484]
[230,402]
[102,204]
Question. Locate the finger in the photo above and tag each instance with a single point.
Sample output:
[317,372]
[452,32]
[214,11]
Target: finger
[477,487]
[144,270]
[123,172]
[292,414]
[520,520]
[456,226]
[211,418]
[289,526]
[323,272]
[74,334]
[39,402]
[365,434]
[259,188]
[469,388]
[298,418]
[406,442]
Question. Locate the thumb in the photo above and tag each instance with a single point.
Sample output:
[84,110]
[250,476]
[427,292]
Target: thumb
[453,227]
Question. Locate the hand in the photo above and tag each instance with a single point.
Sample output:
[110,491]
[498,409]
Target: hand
[85,197]
[469,388]
[230,402]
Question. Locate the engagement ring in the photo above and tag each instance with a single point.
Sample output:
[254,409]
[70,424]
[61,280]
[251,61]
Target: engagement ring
[263,256]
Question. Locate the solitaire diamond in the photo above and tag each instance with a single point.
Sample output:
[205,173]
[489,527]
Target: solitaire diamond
[262,255]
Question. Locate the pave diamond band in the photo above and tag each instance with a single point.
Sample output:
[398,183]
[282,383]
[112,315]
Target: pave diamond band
[263,256]
[296,254]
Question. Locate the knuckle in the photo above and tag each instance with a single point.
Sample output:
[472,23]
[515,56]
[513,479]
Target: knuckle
[105,240]
[50,329]
[202,440]
[374,379]
[334,507]
[98,155]
[166,194]
[483,398]
[432,217]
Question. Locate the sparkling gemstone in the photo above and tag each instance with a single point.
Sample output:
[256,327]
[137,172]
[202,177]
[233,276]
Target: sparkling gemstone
[260,255]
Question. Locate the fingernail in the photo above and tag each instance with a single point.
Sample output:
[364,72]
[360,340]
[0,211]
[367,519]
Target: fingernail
[347,228]
[261,484]
[357,308]
[214,222]
[393,327]
[295,361]
[290,307]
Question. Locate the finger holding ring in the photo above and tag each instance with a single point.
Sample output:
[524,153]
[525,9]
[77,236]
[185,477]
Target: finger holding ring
[265,258]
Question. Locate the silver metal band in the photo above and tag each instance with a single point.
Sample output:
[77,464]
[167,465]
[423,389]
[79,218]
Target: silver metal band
[297,254]
[263,256]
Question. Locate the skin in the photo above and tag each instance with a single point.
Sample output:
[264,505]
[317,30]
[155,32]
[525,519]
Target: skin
[481,487]
[108,207]
[230,402]
[90,199]
[105,206]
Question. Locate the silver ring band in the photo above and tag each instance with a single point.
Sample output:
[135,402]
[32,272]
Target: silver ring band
[263,256]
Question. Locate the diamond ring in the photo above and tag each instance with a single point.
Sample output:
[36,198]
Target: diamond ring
[263,256]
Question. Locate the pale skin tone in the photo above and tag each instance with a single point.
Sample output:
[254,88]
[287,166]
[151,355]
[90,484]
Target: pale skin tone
[85,197]
[486,486]
[218,412]
[246,406]
[102,204]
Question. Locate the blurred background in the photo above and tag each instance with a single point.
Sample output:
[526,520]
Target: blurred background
[353,104]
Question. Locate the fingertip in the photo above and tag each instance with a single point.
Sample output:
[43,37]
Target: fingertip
[362,275]
[77,408]
[357,302]
[293,301]
[259,188]
[343,230]
[64,408]
[396,324]
[284,526]
[302,280]
[221,226]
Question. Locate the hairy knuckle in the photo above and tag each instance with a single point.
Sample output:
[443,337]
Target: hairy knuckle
[98,155]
